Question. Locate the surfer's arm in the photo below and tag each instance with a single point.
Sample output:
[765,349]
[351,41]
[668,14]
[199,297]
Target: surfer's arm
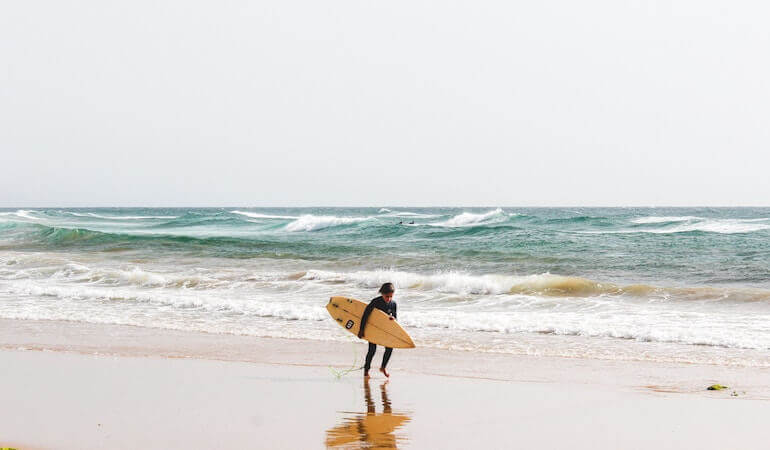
[364,318]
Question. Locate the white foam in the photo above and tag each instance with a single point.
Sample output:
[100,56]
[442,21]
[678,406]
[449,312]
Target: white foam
[144,278]
[470,219]
[383,210]
[234,310]
[76,307]
[727,226]
[694,328]
[310,222]
[411,215]
[722,226]
[130,217]
[99,216]
[263,216]
[21,213]
[460,283]
[443,282]
[445,304]
[664,219]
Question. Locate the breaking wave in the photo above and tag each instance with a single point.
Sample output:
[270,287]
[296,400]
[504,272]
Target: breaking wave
[470,219]
[264,216]
[99,216]
[542,285]
[664,219]
[410,215]
[174,302]
[21,214]
[721,226]
[310,222]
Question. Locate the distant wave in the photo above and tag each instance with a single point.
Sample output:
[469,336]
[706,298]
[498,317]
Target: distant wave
[27,214]
[21,213]
[98,216]
[410,215]
[726,226]
[664,219]
[577,220]
[469,219]
[55,236]
[721,226]
[310,222]
[263,216]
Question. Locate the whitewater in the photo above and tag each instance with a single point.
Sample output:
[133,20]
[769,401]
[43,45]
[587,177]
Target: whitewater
[668,284]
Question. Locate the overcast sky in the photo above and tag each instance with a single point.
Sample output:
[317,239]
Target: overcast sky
[313,102]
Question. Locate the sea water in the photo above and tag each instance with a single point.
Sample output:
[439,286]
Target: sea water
[668,284]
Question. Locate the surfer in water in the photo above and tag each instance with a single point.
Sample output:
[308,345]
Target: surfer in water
[385,304]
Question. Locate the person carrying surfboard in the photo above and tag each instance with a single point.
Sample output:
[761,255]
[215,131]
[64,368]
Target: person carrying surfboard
[385,304]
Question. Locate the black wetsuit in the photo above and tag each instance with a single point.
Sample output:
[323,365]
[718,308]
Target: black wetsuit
[388,308]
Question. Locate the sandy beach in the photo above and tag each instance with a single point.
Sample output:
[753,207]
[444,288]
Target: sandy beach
[68,385]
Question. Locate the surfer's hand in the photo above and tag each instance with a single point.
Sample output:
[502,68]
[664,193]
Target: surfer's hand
[360,335]
[391,318]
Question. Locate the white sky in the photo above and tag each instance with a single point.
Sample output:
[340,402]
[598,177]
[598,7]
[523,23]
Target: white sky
[354,102]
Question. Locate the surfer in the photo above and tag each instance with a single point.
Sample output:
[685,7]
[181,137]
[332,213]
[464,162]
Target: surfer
[385,304]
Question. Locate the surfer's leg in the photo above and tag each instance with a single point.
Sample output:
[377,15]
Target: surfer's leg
[369,357]
[385,359]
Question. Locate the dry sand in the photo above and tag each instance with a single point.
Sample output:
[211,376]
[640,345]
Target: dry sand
[160,389]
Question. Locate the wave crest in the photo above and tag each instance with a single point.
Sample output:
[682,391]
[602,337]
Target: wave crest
[310,222]
[721,226]
[469,219]
[410,215]
[21,214]
[541,285]
[664,219]
[99,216]
[459,283]
[263,216]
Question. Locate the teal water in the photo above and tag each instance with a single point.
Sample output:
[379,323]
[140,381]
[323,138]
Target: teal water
[679,276]
[666,246]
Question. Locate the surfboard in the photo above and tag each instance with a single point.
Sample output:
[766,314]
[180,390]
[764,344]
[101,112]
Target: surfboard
[379,328]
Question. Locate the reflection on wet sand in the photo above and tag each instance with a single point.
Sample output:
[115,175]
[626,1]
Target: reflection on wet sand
[370,429]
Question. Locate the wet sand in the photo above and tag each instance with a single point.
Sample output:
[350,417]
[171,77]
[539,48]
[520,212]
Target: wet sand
[159,389]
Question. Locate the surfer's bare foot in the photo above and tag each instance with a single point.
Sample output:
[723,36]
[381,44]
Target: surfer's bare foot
[366,374]
[385,372]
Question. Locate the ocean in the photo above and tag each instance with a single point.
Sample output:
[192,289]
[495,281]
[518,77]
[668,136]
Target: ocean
[657,284]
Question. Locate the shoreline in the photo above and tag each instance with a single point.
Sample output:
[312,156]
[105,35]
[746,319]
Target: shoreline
[134,341]
[74,385]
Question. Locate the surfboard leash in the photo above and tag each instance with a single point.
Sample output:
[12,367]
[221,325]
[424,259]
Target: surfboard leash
[338,374]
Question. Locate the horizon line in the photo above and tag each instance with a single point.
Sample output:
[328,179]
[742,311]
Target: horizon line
[382,206]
